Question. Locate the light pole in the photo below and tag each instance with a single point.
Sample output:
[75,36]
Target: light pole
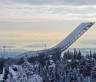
[4,52]
[45,46]
[3,56]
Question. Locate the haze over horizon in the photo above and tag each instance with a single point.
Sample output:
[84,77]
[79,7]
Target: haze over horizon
[33,23]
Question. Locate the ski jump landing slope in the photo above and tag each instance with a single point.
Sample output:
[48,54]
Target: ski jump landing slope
[62,46]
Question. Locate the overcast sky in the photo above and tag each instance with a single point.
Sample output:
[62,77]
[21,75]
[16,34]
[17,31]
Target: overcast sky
[25,23]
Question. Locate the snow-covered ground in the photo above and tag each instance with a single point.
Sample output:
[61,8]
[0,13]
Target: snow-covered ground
[1,76]
[23,73]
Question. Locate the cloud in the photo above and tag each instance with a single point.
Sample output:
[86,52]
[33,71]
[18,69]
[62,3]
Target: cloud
[37,45]
[9,35]
[55,2]
[1,47]
[89,42]
[22,12]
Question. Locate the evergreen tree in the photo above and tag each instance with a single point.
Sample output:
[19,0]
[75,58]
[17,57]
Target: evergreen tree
[79,55]
[75,53]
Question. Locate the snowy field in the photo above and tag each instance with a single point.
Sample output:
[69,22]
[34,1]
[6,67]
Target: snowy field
[1,76]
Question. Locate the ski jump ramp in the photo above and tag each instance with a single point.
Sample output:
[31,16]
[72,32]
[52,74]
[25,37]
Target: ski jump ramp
[73,36]
[67,42]
[62,46]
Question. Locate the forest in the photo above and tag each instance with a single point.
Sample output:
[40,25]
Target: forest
[72,67]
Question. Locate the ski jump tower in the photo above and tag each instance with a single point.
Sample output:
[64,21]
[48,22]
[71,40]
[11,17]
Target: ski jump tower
[72,37]
[58,49]
[67,42]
